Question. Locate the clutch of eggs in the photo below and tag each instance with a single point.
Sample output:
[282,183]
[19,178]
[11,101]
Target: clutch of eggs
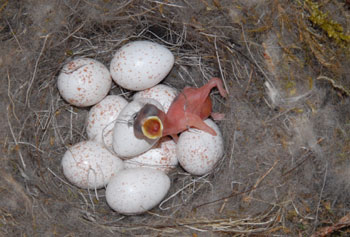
[139,181]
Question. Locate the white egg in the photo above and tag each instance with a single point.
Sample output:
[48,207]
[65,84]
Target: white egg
[84,82]
[134,191]
[101,119]
[140,65]
[198,151]
[89,165]
[162,93]
[162,157]
[125,144]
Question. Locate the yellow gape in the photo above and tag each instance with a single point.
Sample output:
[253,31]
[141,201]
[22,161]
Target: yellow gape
[152,127]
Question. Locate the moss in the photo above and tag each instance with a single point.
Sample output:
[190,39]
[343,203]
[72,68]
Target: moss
[321,19]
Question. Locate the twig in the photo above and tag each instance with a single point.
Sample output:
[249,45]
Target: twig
[219,63]
[252,57]
[326,231]
[178,191]
[14,35]
[27,143]
[250,79]
[306,153]
[320,198]
[53,173]
[35,70]
[15,139]
[263,177]
[70,35]
[10,96]
[167,4]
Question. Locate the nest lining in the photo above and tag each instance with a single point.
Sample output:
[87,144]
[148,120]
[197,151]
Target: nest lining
[284,153]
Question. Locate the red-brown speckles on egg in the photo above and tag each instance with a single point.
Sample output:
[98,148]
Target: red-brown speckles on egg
[72,101]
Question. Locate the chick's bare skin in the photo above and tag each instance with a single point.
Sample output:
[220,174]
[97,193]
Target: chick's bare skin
[189,109]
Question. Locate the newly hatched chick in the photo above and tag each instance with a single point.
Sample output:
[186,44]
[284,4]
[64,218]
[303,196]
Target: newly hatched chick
[189,109]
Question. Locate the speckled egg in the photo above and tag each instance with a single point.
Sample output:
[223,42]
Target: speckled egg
[101,119]
[84,82]
[134,191]
[162,157]
[162,93]
[198,151]
[140,65]
[89,165]
[125,144]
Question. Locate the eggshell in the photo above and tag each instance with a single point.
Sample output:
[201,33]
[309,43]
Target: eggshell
[125,144]
[84,82]
[162,157]
[101,119]
[199,151]
[162,93]
[140,65]
[134,191]
[89,165]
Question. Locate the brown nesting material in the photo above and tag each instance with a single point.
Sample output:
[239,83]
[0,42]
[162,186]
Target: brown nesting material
[285,170]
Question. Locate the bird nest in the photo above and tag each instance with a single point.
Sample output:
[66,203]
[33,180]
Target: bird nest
[285,170]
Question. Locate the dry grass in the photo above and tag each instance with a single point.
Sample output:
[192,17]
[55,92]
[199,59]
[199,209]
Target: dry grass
[286,167]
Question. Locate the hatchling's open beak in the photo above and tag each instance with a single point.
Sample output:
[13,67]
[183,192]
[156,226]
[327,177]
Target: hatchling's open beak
[152,127]
[148,123]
